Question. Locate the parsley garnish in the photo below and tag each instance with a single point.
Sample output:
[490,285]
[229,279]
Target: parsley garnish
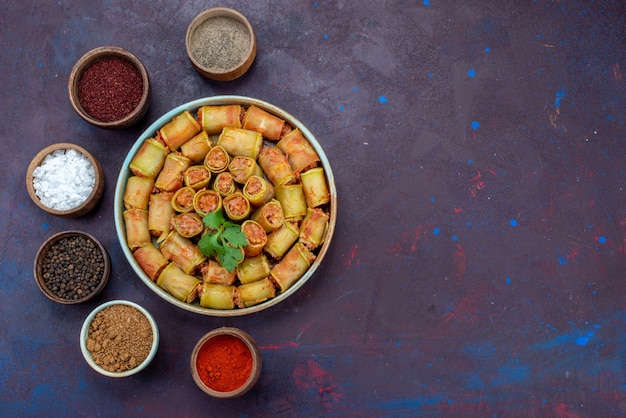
[224,240]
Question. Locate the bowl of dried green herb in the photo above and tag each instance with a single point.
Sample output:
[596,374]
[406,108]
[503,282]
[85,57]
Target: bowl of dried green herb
[109,87]
[221,44]
[71,267]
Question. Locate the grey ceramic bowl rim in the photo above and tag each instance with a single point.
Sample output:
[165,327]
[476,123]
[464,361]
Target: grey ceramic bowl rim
[150,131]
[84,334]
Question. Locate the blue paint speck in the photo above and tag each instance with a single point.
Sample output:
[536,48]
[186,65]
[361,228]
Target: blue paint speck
[470,162]
[342,107]
[426,3]
[597,326]
[582,341]
[382,99]
[432,200]
[455,238]
[436,231]
[562,260]
[325,36]
[430,75]
[559,96]
[487,50]
[471,73]
[513,222]
[468,223]
[508,280]
[355,89]
[475,125]
[602,240]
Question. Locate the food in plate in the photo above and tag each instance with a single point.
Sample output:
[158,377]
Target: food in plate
[226,206]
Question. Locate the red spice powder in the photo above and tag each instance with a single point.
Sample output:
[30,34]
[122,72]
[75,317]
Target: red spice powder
[110,89]
[224,363]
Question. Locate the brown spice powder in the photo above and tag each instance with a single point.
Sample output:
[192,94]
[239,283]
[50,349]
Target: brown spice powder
[220,43]
[120,338]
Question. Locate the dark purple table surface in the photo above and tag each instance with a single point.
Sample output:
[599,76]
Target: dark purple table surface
[479,260]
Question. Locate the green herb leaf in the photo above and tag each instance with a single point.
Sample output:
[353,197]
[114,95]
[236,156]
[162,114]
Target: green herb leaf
[224,241]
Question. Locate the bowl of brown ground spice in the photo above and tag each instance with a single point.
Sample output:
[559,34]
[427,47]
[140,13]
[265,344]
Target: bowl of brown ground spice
[221,44]
[109,87]
[119,338]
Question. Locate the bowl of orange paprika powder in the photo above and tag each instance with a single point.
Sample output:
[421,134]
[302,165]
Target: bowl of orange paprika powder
[226,363]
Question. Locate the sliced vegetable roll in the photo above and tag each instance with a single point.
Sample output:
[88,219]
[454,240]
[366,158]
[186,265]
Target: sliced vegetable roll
[270,216]
[241,142]
[218,296]
[315,187]
[224,184]
[280,240]
[217,117]
[293,266]
[258,190]
[206,201]
[213,272]
[151,260]
[170,178]
[137,193]
[182,251]
[252,269]
[242,168]
[182,199]
[179,130]
[197,147]
[276,166]
[292,200]
[301,153]
[256,235]
[236,206]
[256,292]
[188,224]
[217,159]
[313,228]
[272,127]
[197,177]
[177,283]
[149,159]
[136,224]
[160,213]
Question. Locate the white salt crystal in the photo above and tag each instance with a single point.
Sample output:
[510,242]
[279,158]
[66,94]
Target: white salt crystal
[64,179]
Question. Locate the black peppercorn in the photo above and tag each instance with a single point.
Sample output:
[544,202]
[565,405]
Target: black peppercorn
[72,267]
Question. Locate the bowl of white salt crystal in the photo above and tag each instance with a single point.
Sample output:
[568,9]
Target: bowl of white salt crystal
[65,180]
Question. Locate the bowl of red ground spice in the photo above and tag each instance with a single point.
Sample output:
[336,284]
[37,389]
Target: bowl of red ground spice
[71,267]
[119,338]
[221,44]
[109,87]
[226,363]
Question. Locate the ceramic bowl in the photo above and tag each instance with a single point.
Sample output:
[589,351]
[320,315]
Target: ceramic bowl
[84,336]
[221,44]
[91,58]
[125,173]
[250,345]
[44,282]
[81,209]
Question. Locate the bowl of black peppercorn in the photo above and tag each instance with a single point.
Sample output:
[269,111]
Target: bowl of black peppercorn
[71,267]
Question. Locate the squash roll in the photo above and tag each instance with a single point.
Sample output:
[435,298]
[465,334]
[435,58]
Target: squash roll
[179,130]
[315,187]
[179,284]
[207,201]
[276,166]
[253,269]
[197,177]
[182,199]
[149,159]
[256,235]
[136,224]
[215,118]
[224,184]
[272,127]
[313,228]
[270,216]
[137,193]
[160,213]
[182,251]
[256,292]
[292,200]
[244,142]
[292,266]
[170,178]
[281,240]
[242,168]
[217,159]
[197,147]
[151,260]
[188,225]
[300,152]
[213,272]
[218,296]
[236,206]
